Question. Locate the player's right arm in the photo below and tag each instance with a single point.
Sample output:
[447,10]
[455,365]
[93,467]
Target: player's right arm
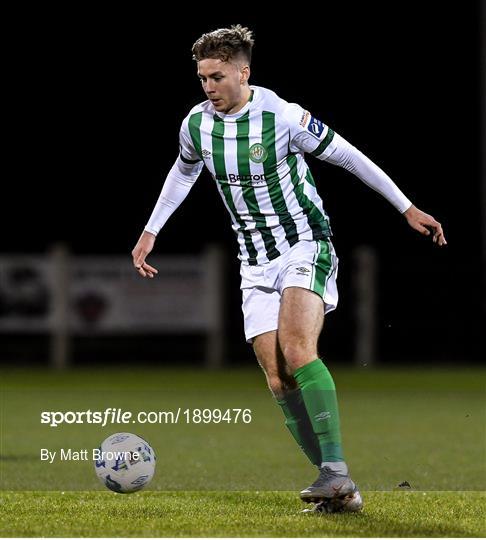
[177,185]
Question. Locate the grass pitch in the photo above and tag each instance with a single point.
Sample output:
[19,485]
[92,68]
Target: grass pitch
[237,514]
[427,428]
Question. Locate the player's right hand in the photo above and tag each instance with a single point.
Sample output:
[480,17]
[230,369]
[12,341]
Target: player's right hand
[143,247]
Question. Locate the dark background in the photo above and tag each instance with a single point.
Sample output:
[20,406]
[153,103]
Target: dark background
[97,101]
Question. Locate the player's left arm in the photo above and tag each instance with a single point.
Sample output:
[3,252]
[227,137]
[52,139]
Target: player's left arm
[309,134]
[345,155]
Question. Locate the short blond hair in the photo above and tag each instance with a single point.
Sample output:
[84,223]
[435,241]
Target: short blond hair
[224,44]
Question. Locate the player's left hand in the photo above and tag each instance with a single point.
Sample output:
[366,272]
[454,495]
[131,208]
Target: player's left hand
[425,224]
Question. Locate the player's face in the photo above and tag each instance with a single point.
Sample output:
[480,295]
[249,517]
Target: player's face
[224,83]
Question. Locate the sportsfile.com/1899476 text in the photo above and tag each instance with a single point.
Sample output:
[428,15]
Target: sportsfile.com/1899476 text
[118,416]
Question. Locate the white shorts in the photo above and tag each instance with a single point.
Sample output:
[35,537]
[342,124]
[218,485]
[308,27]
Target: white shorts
[310,264]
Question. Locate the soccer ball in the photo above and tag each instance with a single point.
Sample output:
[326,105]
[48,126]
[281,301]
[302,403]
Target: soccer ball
[124,462]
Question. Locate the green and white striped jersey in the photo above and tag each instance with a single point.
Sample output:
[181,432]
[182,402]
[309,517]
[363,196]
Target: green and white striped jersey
[256,157]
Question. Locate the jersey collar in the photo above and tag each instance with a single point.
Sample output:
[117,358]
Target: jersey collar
[243,110]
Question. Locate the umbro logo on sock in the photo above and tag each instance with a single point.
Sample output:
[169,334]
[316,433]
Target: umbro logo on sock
[324,415]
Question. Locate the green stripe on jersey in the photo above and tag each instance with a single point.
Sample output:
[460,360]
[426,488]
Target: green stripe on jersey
[322,267]
[217,137]
[325,143]
[317,222]
[194,129]
[242,146]
[310,178]
[312,182]
[274,189]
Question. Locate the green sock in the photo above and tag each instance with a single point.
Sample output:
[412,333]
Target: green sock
[319,394]
[299,425]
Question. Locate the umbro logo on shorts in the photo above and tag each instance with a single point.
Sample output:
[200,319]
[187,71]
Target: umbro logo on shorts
[302,271]
[206,153]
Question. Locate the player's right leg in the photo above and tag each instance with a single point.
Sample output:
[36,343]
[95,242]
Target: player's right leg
[284,388]
[261,303]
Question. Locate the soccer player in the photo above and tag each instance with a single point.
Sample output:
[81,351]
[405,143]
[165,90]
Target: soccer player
[253,144]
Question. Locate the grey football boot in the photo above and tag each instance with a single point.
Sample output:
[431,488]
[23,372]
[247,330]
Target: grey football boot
[332,483]
[352,502]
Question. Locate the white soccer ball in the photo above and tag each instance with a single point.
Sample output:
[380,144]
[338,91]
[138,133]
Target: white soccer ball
[125,462]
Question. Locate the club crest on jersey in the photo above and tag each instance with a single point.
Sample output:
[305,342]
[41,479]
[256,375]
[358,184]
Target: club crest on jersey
[258,153]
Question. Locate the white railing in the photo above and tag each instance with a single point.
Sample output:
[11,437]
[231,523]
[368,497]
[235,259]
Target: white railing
[66,295]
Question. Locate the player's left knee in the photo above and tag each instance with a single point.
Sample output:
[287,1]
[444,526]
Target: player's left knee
[298,354]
